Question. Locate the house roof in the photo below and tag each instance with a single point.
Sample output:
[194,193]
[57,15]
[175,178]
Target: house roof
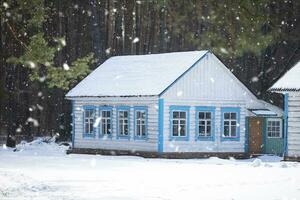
[290,81]
[136,75]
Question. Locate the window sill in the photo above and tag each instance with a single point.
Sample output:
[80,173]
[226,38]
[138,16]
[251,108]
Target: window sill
[101,136]
[123,137]
[142,138]
[205,138]
[88,135]
[230,138]
[179,138]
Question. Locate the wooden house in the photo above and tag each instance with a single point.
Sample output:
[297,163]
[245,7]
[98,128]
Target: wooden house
[289,86]
[173,104]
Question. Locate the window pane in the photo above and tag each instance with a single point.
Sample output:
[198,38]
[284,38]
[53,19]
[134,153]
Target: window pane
[182,130]
[208,130]
[202,130]
[182,115]
[202,123]
[201,115]
[233,115]
[182,122]
[227,115]
[226,131]
[175,114]
[208,115]
[175,130]
[126,129]
[233,131]
[143,130]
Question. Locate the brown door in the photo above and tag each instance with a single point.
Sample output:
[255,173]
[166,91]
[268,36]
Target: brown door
[255,135]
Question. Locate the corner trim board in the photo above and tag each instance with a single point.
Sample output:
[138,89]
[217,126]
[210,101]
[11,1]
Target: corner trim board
[160,125]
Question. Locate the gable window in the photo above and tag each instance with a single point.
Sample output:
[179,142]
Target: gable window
[230,123]
[106,121]
[205,123]
[179,122]
[123,121]
[89,119]
[140,121]
[274,128]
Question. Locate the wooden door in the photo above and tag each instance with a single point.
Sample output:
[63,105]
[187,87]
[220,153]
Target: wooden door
[255,135]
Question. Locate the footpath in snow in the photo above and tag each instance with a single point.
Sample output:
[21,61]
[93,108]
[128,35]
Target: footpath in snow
[40,170]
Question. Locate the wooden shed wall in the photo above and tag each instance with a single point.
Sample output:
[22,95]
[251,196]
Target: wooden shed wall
[293,141]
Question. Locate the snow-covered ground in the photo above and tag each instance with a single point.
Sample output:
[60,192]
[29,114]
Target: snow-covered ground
[43,171]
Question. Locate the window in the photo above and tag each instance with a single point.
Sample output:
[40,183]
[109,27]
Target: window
[230,123]
[106,121]
[89,118]
[140,116]
[274,128]
[123,122]
[205,123]
[179,122]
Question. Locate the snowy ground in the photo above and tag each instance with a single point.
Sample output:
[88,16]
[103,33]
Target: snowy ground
[43,171]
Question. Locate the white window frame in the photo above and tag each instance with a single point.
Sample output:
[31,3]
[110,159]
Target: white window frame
[280,127]
[230,120]
[122,123]
[140,122]
[89,121]
[104,122]
[179,120]
[205,120]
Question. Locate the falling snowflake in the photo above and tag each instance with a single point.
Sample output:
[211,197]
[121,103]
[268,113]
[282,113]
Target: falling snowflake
[179,93]
[135,40]
[66,66]
[5,5]
[223,50]
[62,41]
[97,122]
[34,121]
[254,79]
[107,51]
[30,64]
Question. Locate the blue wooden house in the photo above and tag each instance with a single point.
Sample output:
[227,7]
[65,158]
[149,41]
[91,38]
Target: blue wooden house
[173,104]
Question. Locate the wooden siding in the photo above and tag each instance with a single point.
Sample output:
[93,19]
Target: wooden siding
[293,143]
[210,80]
[114,143]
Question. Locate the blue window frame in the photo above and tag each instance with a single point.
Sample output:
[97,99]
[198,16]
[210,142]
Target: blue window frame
[179,123]
[205,123]
[123,122]
[230,124]
[89,115]
[105,125]
[140,122]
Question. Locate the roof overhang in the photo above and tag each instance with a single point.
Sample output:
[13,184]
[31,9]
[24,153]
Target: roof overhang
[263,113]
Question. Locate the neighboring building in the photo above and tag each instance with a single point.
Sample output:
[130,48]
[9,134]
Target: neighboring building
[172,104]
[289,86]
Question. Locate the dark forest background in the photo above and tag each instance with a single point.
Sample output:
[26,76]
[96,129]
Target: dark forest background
[49,46]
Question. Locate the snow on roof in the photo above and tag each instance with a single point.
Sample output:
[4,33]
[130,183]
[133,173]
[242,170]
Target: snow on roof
[263,112]
[290,81]
[136,75]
